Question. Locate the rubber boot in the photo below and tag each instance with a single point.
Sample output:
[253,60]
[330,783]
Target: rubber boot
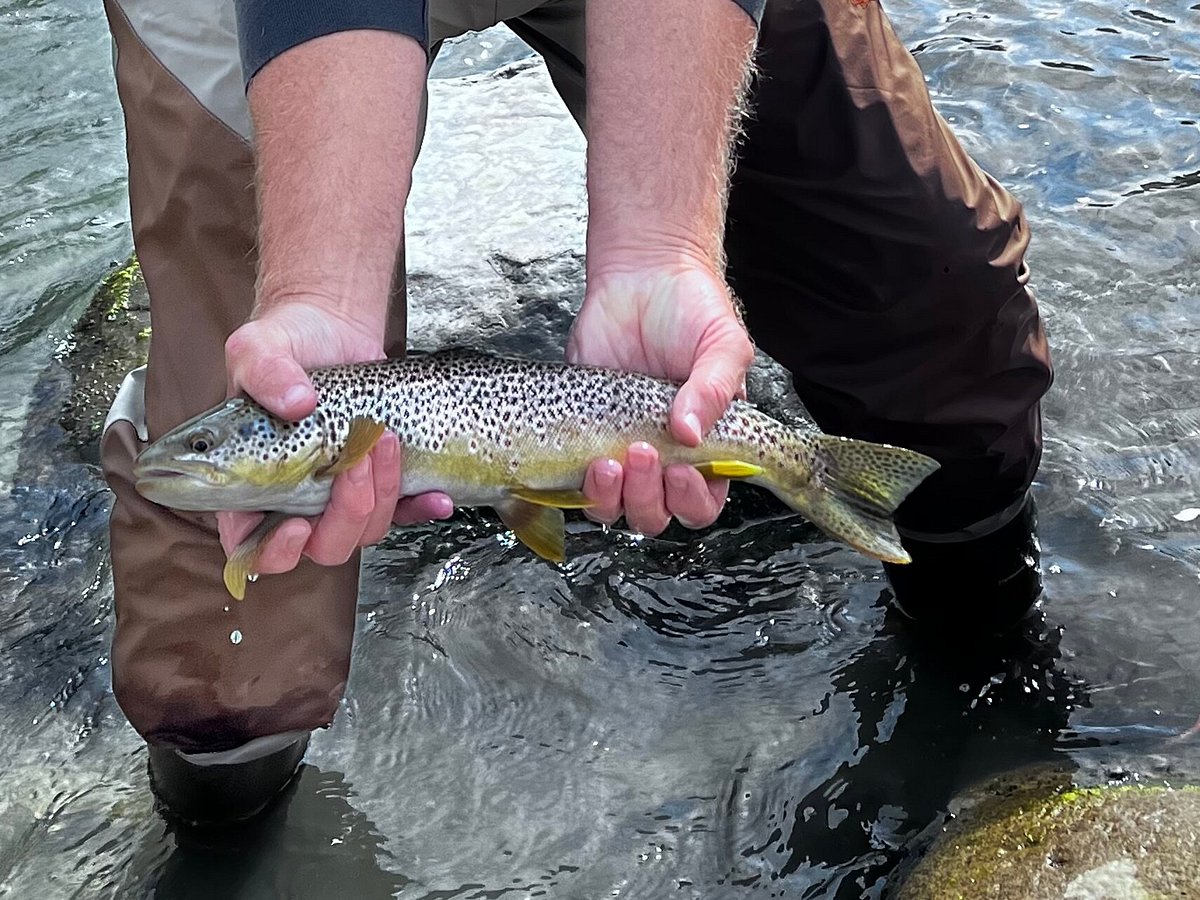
[978,588]
[221,793]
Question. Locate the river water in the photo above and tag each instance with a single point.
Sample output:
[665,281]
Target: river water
[724,715]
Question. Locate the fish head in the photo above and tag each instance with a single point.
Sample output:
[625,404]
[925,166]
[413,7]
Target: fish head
[237,456]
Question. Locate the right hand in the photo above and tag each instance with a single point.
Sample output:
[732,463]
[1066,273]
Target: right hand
[671,318]
[267,358]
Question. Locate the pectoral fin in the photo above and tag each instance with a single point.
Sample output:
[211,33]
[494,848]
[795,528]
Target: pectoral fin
[363,435]
[241,566]
[540,528]
[728,468]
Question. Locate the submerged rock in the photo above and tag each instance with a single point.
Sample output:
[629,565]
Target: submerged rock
[111,337]
[1044,837]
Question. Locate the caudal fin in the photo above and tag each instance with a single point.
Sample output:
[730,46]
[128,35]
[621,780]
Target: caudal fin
[863,484]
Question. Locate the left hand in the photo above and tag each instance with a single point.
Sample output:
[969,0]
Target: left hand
[267,358]
[673,319]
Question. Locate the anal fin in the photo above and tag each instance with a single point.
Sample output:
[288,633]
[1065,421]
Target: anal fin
[728,468]
[540,528]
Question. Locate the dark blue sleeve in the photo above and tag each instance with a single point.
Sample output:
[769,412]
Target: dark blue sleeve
[753,8]
[266,28]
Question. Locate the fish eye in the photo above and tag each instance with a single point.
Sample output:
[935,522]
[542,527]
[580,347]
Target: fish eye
[201,440]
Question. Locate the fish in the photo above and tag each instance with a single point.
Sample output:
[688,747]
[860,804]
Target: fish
[514,435]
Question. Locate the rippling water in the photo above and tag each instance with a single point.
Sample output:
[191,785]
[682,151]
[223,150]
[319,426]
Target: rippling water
[726,715]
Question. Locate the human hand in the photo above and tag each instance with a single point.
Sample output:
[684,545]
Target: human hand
[676,321]
[266,358]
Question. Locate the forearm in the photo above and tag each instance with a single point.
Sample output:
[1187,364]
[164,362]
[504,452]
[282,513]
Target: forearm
[335,124]
[665,85]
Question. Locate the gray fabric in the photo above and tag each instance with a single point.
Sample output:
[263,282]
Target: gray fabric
[130,404]
[247,752]
[197,43]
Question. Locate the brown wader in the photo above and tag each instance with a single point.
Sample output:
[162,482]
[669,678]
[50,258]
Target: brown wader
[873,257]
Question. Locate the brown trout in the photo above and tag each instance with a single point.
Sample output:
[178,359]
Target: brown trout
[514,435]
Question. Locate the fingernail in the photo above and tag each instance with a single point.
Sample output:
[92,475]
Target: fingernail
[295,395]
[692,421]
[388,446]
[294,544]
[606,475]
[445,508]
[639,459]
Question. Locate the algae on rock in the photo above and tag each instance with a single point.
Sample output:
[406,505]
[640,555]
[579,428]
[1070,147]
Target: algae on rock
[110,338]
[1044,839]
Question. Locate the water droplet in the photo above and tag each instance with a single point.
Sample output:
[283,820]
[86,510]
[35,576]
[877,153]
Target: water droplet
[235,637]
[252,577]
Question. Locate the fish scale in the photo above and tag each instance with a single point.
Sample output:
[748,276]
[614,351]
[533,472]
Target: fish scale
[517,436]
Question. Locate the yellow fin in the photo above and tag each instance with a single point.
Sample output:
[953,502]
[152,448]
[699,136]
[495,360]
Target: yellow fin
[540,528]
[560,499]
[363,434]
[240,567]
[728,468]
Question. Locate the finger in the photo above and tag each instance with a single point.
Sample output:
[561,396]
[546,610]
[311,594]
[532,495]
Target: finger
[645,510]
[423,508]
[602,485]
[717,375]
[338,532]
[574,355]
[280,552]
[385,470]
[233,527]
[690,498]
[275,380]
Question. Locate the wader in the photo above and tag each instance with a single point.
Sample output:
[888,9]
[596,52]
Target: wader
[874,259]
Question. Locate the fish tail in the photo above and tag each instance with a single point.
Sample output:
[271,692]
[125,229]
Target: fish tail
[856,488]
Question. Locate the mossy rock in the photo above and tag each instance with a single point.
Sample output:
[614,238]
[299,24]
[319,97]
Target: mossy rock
[1047,839]
[111,338]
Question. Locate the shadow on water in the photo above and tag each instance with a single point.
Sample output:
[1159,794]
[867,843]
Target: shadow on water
[311,844]
[932,720]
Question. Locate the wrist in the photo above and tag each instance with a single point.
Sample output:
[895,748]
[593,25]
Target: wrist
[324,308]
[660,251]
[350,293]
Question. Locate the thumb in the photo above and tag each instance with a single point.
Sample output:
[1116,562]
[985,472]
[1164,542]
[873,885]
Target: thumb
[273,379]
[717,377]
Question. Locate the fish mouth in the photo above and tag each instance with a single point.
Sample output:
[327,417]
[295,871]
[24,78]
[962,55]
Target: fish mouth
[149,475]
[157,472]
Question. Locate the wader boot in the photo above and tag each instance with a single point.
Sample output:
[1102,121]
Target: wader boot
[976,588]
[222,788]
